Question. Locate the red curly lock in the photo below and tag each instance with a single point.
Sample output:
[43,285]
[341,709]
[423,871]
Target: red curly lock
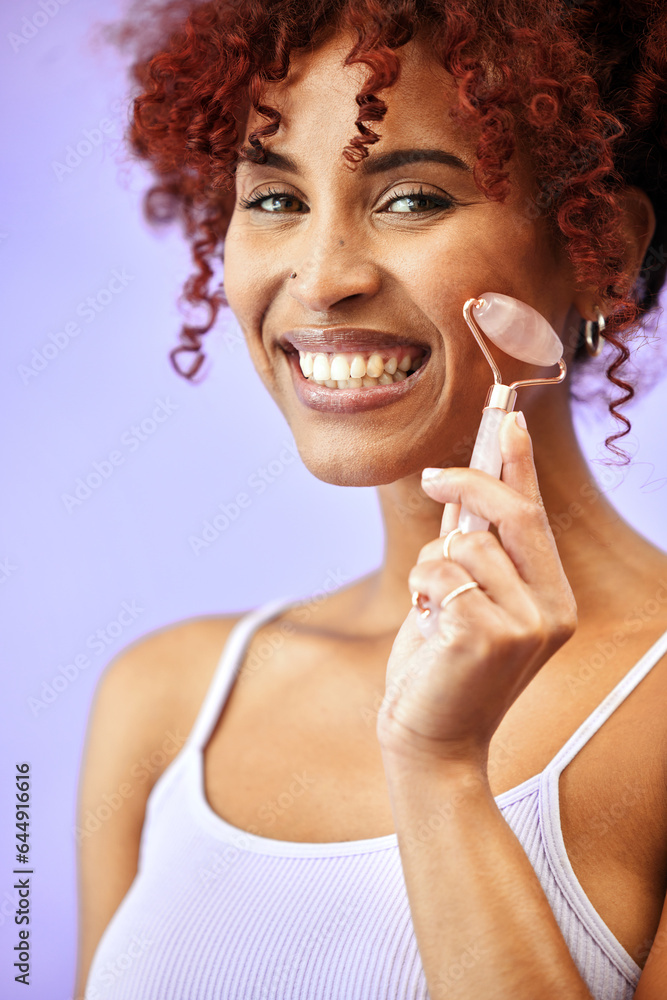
[584,84]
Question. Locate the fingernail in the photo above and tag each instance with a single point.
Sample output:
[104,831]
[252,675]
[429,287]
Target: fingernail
[429,475]
[520,419]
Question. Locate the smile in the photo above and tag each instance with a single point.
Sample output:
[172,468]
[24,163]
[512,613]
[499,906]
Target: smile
[356,371]
[349,382]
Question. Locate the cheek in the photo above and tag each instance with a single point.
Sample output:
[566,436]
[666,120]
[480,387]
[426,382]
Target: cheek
[250,286]
[438,281]
[245,279]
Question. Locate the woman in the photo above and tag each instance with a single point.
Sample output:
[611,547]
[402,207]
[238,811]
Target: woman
[360,811]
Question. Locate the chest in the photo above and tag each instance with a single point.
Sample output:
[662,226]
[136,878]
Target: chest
[294,756]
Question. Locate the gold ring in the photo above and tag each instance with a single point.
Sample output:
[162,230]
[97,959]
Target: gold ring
[418,602]
[448,538]
[455,593]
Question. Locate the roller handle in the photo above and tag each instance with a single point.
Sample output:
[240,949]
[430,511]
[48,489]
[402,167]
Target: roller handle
[486,456]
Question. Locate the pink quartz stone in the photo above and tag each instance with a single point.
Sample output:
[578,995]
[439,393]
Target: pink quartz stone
[518,329]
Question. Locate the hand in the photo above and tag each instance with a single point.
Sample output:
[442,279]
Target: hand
[446,695]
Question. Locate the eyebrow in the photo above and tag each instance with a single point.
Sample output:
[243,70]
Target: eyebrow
[399,157]
[375,164]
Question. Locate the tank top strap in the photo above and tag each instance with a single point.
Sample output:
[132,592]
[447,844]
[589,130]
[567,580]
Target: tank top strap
[226,670]
[609,704]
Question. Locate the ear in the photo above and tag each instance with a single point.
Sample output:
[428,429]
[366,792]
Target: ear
[637,227]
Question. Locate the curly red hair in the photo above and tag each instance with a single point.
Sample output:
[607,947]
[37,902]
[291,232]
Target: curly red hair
[584,83]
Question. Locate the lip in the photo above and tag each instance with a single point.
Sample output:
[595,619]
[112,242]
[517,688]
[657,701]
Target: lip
[344,339]
[321,397]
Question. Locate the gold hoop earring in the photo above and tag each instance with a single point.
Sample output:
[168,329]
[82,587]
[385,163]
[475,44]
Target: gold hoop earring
[594,342]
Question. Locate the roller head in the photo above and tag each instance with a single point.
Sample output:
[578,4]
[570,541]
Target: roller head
[518,329]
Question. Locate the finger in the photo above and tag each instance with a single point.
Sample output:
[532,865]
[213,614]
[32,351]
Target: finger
[483,558]
[516,448]
[450,518]
[518,469]
[438,579]
[522,523]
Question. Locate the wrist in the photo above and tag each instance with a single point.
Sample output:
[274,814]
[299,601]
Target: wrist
[425,792]
[407,753]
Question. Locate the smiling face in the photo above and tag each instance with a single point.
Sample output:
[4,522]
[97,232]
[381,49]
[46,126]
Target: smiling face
[385,256]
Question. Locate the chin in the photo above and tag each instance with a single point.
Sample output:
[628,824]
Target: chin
[344,470]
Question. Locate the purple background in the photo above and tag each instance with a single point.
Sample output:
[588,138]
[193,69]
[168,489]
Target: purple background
[67,573]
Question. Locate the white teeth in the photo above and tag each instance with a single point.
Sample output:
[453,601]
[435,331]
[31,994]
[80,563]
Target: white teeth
[356,383]
[321,369]
[306,362]
[340,369]
[358,367]
[375,365]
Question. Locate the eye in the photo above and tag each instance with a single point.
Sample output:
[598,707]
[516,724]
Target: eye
[273,201]
[279,202]
[416,202]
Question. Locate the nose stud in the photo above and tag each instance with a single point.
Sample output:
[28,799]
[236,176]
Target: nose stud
[293,274]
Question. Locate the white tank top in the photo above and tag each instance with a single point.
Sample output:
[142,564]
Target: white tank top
[215,913]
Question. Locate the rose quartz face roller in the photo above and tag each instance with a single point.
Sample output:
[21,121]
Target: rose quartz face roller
[522,333]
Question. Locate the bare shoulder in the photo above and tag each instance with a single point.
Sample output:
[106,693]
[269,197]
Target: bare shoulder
[158,683]
[144,706]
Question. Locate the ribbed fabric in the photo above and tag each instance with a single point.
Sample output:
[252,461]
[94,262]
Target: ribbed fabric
[215,913]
